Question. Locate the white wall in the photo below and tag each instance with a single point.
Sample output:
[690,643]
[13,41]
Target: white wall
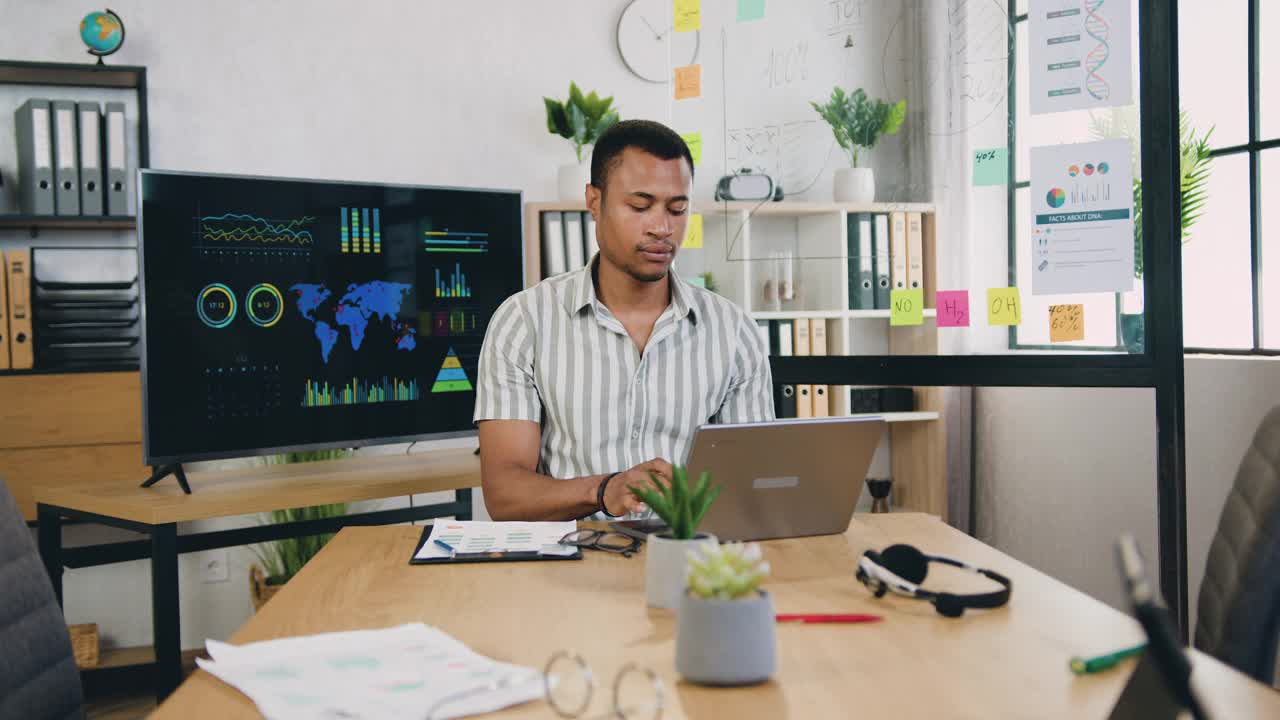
[1062,472]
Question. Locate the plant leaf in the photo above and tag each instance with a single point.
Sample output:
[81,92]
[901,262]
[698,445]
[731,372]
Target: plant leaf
[557,121]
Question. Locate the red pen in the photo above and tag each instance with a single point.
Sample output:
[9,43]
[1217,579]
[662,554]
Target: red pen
[828,618]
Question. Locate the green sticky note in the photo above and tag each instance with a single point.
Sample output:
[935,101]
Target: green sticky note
[1004,306]
[990,167]
[694,141]
[750,10]
[906,307]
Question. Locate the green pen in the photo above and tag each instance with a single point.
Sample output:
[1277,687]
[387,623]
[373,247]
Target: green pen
[1084,666]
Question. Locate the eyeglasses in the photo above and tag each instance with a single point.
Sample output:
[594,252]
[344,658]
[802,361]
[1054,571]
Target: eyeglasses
[569,684]
[602,540]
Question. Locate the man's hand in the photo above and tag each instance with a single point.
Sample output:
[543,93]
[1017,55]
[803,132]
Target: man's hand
[618,499]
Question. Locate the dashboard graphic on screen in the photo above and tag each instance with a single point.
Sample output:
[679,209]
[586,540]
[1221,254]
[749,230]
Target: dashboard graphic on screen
[294,313]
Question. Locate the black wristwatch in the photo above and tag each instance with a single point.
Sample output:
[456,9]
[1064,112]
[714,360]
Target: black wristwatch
[604,484]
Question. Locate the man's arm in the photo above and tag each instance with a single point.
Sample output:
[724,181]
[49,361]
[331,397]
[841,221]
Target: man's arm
[750,396]
[514,490]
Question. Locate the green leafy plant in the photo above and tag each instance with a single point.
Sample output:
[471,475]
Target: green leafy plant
[726,572]
[282,559]
[581,119]
[858,121]
[1194,167]
[681,507]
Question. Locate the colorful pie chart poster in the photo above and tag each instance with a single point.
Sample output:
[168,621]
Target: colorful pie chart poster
[1082,218]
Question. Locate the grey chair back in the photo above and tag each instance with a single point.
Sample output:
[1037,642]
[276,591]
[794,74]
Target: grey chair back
[38,675]
[1238,620]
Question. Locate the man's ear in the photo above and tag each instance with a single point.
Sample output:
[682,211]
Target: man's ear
[594,198]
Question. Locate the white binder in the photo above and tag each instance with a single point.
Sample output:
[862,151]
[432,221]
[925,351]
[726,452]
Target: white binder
[90,121]
[66,159]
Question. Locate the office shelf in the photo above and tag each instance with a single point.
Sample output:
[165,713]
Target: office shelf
[68,222]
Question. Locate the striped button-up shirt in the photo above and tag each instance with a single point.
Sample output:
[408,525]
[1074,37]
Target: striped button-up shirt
[555,355]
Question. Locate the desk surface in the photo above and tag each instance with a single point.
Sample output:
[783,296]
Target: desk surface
[219,493]
[1006,663]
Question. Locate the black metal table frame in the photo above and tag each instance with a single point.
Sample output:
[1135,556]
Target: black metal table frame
[165,544]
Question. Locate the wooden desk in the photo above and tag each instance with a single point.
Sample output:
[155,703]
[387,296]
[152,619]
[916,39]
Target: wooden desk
[157,511]
[1006,663]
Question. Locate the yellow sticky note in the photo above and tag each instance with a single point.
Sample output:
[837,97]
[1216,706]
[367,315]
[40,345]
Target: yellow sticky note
[688,82]
[1066,323]
[688,15]
[906,307]
[1004,306]
[693,232]
[694,141]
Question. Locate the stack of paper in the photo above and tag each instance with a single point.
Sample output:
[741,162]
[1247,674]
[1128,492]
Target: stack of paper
[467,537]
[408,671]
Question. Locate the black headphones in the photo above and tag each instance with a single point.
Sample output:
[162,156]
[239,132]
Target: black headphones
[902,568]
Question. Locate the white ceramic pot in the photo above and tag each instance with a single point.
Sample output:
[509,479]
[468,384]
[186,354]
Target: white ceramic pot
[855,185]
[571,181]
[726,642]
[666,566]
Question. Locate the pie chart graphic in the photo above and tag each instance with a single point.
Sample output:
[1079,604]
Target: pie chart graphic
[1056,197]
[1088,168]
[1103,168]
[1074,170]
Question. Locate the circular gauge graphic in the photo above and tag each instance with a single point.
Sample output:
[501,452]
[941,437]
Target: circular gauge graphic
[1103,168]
[1074,170]
[1056,197]
[264,305]
[1088,168]
[216,305]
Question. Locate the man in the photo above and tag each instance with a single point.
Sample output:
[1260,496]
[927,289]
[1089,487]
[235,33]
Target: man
[590,381]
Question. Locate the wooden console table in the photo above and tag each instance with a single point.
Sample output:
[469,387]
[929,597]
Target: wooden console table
[157,511]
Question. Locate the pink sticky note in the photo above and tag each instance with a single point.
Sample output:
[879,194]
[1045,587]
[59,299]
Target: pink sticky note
[953,308]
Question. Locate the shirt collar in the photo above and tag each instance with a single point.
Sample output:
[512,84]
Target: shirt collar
[582,292]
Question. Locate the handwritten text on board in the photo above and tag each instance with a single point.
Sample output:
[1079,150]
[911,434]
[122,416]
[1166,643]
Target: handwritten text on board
[1004,306]
[1066,323]
[906,307]
[953,308]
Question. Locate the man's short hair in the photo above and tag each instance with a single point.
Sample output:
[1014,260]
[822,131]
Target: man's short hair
[652,137]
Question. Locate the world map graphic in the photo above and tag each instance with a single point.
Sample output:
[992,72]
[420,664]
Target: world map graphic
[362,302]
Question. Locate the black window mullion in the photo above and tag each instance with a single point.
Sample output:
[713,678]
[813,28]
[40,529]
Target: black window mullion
[1255,172]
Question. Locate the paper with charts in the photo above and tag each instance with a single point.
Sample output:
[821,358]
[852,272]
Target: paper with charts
[475,536]
[1082,218]
[412,670]
[1081,54]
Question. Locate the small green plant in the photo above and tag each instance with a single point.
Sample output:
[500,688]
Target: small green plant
[282,559]
[709,282]
[680,506]
[858,121]
[726,572]
[580,119]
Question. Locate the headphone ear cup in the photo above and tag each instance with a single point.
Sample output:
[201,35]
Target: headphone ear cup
[906,562]
[948,605]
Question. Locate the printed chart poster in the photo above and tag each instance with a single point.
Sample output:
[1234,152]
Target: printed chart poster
[1082,218]
[1081,56]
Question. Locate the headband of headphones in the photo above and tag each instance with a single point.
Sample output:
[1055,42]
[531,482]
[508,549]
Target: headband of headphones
[901,568]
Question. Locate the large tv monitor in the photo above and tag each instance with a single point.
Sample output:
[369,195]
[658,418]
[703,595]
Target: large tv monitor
[284,315]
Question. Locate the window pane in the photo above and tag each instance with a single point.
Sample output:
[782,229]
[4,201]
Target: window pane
[1269,281]
[1269,68]
[1217,275]
[1213,66]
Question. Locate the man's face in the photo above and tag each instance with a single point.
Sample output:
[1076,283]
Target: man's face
[640,220]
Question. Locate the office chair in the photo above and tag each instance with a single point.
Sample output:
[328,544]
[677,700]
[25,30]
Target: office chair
[38,675]
[1238,620]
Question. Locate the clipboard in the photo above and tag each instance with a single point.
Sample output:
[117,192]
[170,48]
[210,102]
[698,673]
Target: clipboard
[493,556]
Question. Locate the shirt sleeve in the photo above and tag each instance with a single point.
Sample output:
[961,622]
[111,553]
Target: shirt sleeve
[506,386]
[750,396]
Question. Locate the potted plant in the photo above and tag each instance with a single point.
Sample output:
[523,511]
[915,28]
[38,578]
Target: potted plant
[1194,169]
[280,560]
[580,119]
[681,507]
[725,624]
[858,122]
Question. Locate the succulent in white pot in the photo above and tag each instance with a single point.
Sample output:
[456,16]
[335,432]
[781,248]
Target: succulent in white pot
[581,119]
[725,624]
[681,507]
[857,122]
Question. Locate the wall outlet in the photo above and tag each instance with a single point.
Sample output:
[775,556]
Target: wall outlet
[215,566]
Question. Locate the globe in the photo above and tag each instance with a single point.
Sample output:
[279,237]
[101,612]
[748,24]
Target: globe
[103,32]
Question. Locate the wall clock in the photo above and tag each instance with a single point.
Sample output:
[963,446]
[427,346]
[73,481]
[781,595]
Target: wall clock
[644,31]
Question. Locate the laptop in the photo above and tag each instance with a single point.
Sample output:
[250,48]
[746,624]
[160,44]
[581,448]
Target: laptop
[779,479]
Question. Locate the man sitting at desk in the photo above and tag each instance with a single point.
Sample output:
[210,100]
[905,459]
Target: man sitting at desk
[589,381]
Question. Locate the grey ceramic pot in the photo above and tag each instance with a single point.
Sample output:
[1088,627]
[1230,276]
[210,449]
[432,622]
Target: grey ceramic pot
[725,642]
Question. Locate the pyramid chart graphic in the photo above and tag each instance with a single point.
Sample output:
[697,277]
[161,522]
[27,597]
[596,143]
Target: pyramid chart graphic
[452,377]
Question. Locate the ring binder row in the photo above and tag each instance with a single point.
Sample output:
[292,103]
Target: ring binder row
[71,158]
[69,308]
